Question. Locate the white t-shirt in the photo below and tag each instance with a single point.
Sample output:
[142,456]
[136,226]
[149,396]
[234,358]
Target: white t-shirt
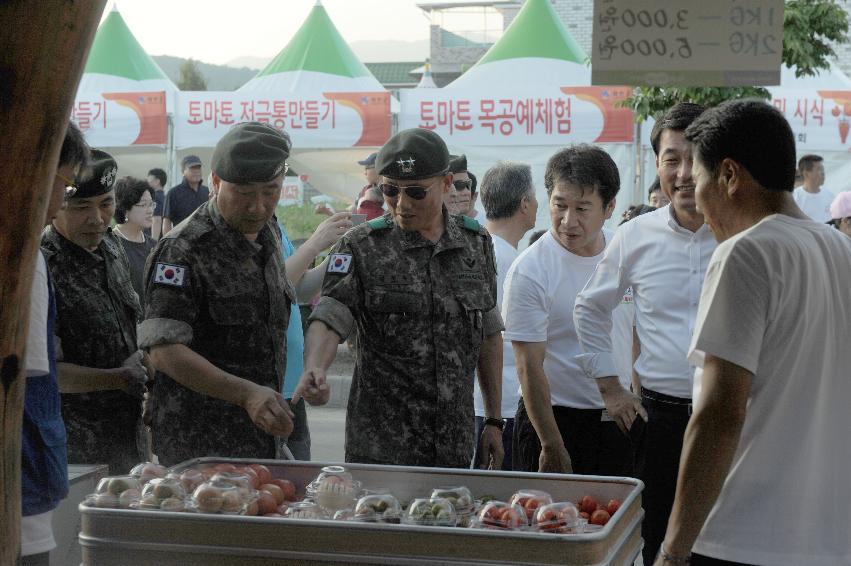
[814,205]
[36,359]
[505,254]
[776,302]
[538,307]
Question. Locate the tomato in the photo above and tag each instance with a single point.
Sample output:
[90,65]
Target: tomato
[229,468]
[276,491]
[584,515]
[266,502]
[613,506]
[253,478]
[588,504]
[252,508]
[286,486]
[600,517]
[262,472]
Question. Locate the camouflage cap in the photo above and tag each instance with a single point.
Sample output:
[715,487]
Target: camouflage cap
[98,178]
[457,163]
[251,152]
[413,154]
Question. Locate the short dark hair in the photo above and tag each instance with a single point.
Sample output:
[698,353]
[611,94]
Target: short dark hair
[656,186]
[535,236]
[503,188]
[807,162]
[128,192]
[752,133]
[634,211]
[473,182]
[677,118]
[586,166]
[159,174]
[75,150]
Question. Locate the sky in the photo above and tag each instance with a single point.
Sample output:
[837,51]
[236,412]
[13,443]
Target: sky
[218,32]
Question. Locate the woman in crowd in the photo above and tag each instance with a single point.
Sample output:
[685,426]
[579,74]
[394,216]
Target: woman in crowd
[134,212]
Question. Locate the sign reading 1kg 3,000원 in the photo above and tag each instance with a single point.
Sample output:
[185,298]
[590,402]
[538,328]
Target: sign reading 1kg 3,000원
[687,42]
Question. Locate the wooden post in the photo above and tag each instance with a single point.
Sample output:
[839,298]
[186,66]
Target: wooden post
[43,49]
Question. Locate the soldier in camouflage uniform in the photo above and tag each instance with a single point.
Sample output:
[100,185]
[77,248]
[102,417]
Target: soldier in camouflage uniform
[217,309]
[418,285]
[101,374]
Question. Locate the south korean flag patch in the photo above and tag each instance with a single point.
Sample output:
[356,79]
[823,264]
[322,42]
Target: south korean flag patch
[340,263]
[170,274]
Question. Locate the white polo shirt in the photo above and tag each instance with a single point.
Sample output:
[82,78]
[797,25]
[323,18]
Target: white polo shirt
[814,205]
[777,303]
[538,307]
[505,255]
[664,264]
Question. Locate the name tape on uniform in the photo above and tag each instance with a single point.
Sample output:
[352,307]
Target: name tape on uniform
[170,274]
[340,263]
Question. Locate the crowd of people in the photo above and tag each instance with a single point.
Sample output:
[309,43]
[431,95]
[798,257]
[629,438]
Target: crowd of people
[690,347]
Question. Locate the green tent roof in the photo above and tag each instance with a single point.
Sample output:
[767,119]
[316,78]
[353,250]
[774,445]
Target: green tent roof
[317,46]
[536,31]
[116,52]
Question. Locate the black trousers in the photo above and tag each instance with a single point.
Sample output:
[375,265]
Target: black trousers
[595,447]
[657,464]
[700,560]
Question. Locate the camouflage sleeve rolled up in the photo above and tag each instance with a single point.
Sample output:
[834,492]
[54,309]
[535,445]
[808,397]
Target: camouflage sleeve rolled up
[341,290]
[171,296]
[492,319]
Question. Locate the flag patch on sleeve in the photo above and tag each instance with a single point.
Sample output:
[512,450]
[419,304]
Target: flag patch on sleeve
[340,263]
[170,274]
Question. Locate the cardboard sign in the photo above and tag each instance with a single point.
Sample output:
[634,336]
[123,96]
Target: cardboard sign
[687,42]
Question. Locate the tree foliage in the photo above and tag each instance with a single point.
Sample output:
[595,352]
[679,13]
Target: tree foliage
[190,77]
[810,27]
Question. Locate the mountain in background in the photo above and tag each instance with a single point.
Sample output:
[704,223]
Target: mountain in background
[367,51]
[219,77]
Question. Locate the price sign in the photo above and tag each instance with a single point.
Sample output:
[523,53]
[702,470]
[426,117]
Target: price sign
[687,42]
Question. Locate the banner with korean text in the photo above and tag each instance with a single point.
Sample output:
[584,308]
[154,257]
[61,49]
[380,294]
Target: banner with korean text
[320,120]
[518,116]
[820,119]
[120,119]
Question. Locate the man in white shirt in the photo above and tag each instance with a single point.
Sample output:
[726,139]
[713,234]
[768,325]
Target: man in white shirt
[561,425]
[508,195]
[810,197]
[663,256]
[765,458]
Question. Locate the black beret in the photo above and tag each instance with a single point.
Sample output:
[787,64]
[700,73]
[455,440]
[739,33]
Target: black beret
[251,152]
[458,163]
[98,178]
[413,154]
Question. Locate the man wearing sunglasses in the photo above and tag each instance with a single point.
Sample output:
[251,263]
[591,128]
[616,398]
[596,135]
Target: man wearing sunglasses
[418,285]
[464,184]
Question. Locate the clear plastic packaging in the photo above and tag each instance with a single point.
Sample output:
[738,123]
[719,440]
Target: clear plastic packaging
[242,481]
[502,516]
[304,510]
[115,492]
[461,499]
[334,489]
[562,517]
[433,511]
[146,471]
[163,494]
[531,500]
[191,478]
[378,508]
[220,497]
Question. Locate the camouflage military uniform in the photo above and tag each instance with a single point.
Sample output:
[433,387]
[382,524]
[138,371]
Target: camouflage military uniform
[228,300]
[421,310]
[97,312]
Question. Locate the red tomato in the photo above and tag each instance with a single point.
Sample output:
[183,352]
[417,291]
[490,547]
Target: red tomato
[276,491]
[584,515]
[262,472]
[613,506]
[600,517]
[266,502]
[588,504]
[286,486]
[252,508]
[252,476]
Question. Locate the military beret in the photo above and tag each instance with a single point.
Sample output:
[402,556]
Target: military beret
[98,178]
[458,163]
[251,152]
[413,154]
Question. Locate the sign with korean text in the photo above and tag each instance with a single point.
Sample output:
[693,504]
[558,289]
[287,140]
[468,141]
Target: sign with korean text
[118,119]
[518,117]
[323,120]
[687,42]
[820,119]
[292,192]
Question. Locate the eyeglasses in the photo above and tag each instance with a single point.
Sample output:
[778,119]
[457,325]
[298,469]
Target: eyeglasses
[70,186]
[463,185]
[416,192]
[146,205]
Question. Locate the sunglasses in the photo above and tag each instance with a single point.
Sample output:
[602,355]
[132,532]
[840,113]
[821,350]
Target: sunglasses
[70,186]
[463,185]
[415,192]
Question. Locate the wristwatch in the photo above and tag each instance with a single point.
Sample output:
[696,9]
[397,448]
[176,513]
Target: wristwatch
[498,423]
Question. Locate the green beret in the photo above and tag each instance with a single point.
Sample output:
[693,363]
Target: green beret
[98,178]
[413,154]
[457,163]
[251,152]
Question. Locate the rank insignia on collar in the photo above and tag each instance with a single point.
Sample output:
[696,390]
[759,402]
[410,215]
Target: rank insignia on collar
[339,263]
[168,274]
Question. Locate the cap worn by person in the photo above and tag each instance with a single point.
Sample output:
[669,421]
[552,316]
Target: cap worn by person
[840,207]
[369,162]
[457,163]
[413,154]
[251,152]
[190,161]
[98,178]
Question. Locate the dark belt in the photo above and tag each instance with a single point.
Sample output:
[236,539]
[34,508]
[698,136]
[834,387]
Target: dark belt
[666,401]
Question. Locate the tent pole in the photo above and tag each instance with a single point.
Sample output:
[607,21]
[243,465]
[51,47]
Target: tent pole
[638,166]
[170,153]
